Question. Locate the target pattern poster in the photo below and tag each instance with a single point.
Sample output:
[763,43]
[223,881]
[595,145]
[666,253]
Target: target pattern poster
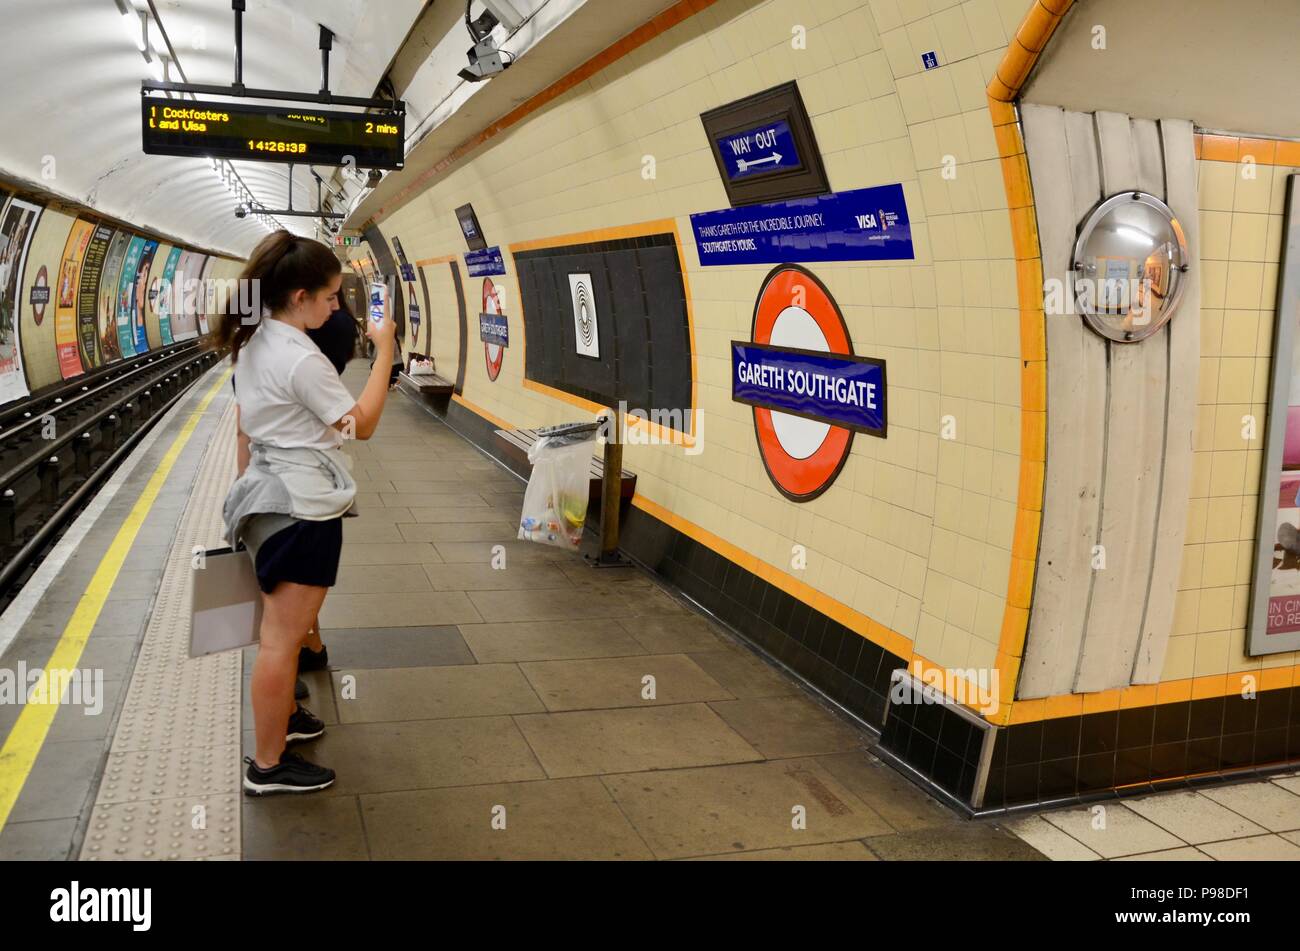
[586,333]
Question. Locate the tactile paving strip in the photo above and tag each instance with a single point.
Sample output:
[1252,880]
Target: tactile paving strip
[171,787]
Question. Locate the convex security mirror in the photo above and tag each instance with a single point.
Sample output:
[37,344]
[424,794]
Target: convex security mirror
[1129,265]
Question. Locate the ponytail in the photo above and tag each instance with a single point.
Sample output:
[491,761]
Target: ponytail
[281,264]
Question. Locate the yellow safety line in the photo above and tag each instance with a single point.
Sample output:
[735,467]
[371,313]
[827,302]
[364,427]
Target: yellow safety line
[28,734]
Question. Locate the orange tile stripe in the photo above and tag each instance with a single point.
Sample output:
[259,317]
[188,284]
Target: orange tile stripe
[428,262]
[1019,58]
[677,13]
[1233,148]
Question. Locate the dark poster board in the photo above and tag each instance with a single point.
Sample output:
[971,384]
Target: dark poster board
[639,301]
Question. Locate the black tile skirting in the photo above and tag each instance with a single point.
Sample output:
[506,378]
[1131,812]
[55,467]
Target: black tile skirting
[1058,760]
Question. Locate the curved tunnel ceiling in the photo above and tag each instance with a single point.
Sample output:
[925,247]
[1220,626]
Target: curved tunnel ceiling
[72,123]
[74,128]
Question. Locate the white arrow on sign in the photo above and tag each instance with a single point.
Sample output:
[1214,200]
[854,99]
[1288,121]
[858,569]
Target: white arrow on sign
[745,166]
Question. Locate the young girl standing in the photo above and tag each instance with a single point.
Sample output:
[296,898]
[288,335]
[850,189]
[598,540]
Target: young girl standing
[288,504]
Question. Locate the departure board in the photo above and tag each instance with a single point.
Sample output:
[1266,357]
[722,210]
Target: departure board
[269,134]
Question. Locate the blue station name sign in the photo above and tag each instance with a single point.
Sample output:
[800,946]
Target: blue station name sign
[766,148]
[838,389]
[867,224]
[485,263]
[492,329]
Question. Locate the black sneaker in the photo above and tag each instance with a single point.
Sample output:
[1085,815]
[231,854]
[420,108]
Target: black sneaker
[308,659]
[303,726]
[293,774]
[300,690]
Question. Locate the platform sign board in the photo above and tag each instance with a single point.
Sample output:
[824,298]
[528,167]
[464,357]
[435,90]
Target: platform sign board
[1275,591]
[492,329]
[287,134]
[765,148]
[810,393]
[867,224]
[485,263]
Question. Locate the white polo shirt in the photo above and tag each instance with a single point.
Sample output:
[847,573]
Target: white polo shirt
[289,393]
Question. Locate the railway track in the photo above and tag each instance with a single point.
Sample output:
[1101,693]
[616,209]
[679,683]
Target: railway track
[57,447]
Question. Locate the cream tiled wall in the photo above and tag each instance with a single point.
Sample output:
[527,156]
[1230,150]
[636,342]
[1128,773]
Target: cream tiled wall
[917,531]
[1241,237]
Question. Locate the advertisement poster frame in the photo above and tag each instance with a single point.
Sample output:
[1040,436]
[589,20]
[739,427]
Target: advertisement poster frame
[19,220]
[1277,527]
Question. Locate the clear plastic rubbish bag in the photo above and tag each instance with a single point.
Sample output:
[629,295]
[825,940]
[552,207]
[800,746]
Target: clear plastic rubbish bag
[555,502]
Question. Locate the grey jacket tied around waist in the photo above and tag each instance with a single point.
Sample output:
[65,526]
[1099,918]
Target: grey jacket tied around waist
[309,484]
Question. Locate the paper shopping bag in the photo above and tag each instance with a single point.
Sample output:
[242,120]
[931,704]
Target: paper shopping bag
[226,602]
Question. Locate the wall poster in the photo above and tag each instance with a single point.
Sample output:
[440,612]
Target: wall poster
[17,225]
[109,343]
[1275,592]
[66,299]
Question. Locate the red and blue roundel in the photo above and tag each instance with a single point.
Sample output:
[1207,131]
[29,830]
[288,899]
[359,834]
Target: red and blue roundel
[493,353]
[810,393]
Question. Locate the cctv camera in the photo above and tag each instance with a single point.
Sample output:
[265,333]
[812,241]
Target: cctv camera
[241,211]
[484,61]
[374,178]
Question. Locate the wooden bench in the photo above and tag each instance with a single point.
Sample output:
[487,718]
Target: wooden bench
[433,385]
[515,443]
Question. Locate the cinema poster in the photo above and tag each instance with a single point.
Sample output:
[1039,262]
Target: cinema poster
[92,269]
[109,346]
[161,299]
[139,297]
[126,297]
[17,225]
[66,295]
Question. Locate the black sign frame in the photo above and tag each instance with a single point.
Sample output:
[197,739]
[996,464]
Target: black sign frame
[465,216]
[781,102]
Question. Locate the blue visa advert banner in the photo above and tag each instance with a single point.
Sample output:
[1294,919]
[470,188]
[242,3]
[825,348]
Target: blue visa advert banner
[834,388]
[492,329]
[867,224]
[485,263]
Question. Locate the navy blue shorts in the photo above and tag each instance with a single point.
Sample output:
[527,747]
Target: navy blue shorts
[304,553]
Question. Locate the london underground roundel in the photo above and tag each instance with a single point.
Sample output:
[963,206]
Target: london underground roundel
[809,392]
[493,353]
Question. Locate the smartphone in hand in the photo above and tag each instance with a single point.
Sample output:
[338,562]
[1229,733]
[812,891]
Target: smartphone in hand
[378,301]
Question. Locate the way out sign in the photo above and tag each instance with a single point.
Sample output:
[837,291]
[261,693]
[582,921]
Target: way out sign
[766,148]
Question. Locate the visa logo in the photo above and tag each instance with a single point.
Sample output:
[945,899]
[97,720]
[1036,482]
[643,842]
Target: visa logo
[867,221]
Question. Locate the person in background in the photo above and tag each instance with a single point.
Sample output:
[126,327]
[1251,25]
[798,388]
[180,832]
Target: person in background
[337,339]
[288,506]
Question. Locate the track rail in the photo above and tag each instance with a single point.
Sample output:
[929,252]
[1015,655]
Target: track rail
[58,447]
